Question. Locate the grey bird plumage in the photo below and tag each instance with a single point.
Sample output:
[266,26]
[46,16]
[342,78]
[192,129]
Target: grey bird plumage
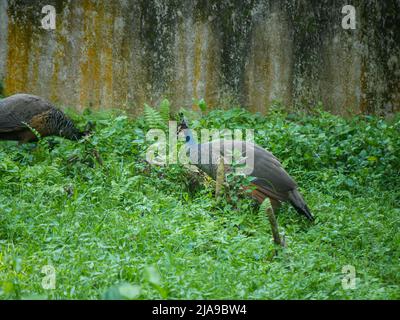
[270,178]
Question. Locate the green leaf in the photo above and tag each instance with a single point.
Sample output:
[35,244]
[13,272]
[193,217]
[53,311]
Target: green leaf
[165,107]
[152,275]
[122,291]
[153,118]
[202,105]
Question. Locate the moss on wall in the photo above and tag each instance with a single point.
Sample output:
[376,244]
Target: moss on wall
[247,52]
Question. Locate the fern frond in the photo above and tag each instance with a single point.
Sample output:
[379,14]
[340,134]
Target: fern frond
[33,130]
[153,118]
[165,109]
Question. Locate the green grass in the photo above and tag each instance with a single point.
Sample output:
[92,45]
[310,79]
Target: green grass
[127,229]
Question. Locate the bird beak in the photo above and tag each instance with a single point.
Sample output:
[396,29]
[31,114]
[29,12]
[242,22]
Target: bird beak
[310,217]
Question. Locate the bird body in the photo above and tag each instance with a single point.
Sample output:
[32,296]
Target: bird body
[270,179]
[21,113]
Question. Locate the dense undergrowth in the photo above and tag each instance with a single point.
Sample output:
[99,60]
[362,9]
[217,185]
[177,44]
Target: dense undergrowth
[117,227]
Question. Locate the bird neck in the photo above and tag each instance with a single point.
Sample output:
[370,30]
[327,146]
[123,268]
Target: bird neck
[63,126]
[190,140]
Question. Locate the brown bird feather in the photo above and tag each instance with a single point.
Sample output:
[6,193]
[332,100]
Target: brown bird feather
[21,112]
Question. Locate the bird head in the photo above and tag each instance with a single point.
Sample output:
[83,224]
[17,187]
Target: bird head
[78,134]
[182,124]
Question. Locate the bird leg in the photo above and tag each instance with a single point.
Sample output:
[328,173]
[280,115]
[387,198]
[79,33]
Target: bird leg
[219,182]
[275,205]
[274,224]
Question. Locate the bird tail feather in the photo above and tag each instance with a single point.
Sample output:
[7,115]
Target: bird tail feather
[299,204]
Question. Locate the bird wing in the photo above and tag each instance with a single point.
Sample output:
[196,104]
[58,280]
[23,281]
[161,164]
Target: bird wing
[19,109]
[9,122]
[270,175]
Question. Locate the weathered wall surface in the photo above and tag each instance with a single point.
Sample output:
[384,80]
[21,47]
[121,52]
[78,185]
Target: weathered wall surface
[249,52]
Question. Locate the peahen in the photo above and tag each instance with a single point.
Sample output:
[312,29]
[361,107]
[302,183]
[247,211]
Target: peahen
[269,177]
[21,113]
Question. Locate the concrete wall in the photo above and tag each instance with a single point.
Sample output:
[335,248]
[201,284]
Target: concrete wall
[249,52]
